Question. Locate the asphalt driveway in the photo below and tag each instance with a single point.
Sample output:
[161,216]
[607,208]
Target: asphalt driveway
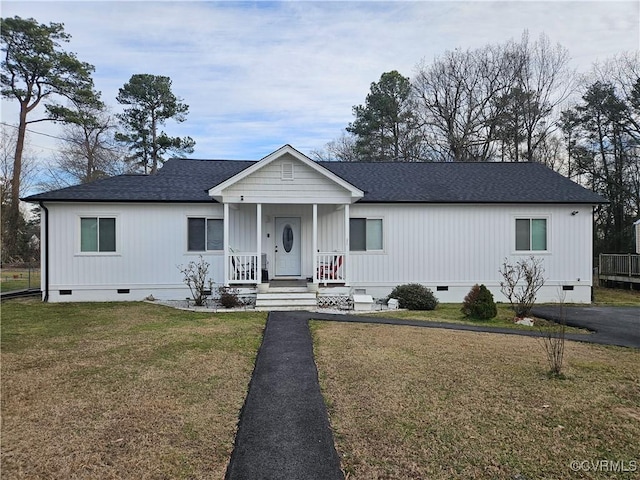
[613,325]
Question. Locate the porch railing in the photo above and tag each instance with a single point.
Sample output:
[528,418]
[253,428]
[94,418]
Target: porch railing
[243,267]
[626,265]
[330,267]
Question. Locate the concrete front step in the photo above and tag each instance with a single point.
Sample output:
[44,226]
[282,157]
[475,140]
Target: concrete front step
[287,290]
[286,301]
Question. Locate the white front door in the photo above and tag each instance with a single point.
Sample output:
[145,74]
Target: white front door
[287,246]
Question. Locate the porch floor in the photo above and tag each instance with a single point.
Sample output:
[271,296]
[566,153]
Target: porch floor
[288,283]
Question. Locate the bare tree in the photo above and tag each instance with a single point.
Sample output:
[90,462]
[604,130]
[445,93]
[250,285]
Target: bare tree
[88,150]
[493,102]
[341,149]
[553,339]
[457,100]
[545,82]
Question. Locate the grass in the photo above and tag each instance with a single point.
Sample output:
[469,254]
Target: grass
[616,297]
[122,390]
[407,402]
[450,313]
[19,279]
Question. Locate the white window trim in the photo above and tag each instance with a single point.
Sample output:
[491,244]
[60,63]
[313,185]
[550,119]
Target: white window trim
[186,237]
[384,237]
[80,253]
[530,216]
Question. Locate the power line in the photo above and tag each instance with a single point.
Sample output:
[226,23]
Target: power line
[114,150]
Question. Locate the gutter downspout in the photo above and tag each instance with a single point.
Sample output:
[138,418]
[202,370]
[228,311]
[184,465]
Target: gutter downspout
[46,252]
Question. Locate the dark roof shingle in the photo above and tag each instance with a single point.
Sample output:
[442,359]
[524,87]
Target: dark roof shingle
[184,180]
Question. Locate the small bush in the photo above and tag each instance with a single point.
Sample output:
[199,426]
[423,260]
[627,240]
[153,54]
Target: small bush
[195,277]
[521,283]
[228,297]
[479,303]
[414,296]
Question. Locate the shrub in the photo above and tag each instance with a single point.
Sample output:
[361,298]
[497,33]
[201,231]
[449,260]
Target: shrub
[414,296]
[521,283]
[228,297]
[195,277]
[479,303]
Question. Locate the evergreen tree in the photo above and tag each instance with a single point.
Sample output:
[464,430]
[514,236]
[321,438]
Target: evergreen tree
[150,103]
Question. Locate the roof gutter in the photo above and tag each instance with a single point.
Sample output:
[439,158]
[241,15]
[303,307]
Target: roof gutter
[46,252]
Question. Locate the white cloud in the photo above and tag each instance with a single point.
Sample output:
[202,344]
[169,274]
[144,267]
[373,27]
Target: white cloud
[257,75]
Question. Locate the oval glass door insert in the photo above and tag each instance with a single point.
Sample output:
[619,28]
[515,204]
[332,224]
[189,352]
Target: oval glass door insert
[287,238]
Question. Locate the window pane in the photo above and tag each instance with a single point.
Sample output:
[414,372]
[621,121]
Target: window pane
[215,237]
[357,234]
[107,235]
[196,234]
[523,234]
[538,234]
[88,234]
[374,234]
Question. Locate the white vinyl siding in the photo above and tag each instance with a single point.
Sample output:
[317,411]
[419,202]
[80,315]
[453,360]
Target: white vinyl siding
[286,181]
[436,245]
[97,234]
[531,234]
[460,245]
[205,234]
[365,234]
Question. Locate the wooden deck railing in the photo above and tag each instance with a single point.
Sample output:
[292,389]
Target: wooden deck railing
[623,265]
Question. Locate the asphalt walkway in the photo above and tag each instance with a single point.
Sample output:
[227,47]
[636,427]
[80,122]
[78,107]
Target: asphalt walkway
[284,432]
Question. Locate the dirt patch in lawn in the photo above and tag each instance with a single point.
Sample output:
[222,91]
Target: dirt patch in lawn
[122,390]
[407,402]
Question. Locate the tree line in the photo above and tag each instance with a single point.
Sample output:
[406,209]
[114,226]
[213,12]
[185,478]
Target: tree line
[515,101]
[36,71]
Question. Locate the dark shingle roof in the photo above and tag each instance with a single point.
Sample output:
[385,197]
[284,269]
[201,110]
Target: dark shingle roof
[177,181]
[454,182]
[181,180]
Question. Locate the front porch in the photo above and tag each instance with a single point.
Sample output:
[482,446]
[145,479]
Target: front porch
[285,217]
[267,242]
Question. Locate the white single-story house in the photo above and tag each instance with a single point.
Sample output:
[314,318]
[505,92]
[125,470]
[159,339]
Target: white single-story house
[344,227]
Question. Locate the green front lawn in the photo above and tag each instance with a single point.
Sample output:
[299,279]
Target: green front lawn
[407,402]
[450,313]
[122,390]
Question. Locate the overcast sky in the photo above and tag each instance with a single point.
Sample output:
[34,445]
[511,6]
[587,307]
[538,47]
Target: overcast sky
[257,75]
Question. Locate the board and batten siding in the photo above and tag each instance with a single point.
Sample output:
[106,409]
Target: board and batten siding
[151,241]
[450,246]
[267,185]
[456,246]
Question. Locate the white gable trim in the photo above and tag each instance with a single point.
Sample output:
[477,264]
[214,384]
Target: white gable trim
[217,191]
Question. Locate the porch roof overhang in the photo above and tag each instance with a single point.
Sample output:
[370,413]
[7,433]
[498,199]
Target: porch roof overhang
[348,192]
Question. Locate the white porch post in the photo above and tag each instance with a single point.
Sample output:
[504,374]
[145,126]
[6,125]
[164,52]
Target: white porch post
[346,244]
[314,243]
[225,237]
[258,269]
